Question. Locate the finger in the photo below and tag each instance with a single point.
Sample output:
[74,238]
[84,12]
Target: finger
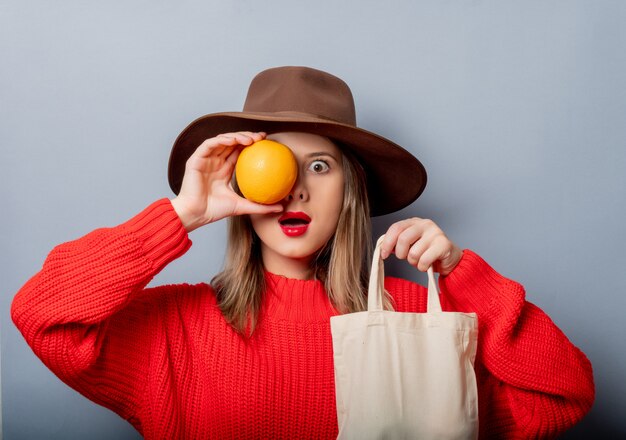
[408,238]
[232,157]
[428,236]
[245,135]
[224,165]
[391,237]
[244,139]
[222,144]
[227,167]
[209,146]
[218,144]
[220,149]
[437,249]
[416,251]
[419,230]
[226,151]
[257,136]
[247,207]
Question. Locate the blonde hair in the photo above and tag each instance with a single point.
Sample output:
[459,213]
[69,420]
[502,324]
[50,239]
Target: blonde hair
[343,264]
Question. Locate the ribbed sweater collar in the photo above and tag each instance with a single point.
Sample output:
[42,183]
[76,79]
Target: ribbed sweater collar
[289,299]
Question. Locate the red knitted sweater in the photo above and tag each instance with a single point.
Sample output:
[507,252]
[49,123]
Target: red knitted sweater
[165,359]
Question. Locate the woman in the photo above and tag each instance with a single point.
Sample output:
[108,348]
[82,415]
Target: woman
[250,356]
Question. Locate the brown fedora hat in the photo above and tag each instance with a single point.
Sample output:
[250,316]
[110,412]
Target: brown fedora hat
[308,100]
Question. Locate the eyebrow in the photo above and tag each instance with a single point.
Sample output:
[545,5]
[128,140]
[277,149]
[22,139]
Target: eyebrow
[321,153]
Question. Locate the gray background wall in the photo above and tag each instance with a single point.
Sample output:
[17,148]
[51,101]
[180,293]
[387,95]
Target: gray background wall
[516,109]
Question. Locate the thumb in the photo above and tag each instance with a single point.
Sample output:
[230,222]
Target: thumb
[248,207]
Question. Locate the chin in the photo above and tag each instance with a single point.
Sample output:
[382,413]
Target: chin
[297,251]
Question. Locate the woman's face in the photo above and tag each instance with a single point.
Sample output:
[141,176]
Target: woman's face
[311,210]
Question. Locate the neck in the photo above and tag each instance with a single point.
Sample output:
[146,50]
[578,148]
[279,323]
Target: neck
[297,268]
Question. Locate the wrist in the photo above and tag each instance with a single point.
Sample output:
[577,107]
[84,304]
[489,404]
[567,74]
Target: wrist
[189,220]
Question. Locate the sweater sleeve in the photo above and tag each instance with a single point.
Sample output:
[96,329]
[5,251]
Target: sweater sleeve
[85,314]
[544,380]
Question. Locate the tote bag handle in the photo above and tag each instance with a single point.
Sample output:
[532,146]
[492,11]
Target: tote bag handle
[377,280]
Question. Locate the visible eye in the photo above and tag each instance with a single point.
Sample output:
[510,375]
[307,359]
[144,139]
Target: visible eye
[319,166]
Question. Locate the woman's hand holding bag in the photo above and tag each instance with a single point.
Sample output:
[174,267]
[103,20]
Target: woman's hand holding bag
[423,244]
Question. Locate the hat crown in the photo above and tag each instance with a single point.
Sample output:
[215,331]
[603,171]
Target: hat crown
[303,90]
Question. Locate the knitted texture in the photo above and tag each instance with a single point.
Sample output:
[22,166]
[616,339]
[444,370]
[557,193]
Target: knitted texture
[165,359]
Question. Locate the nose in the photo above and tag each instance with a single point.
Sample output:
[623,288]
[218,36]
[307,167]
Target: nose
[298,192]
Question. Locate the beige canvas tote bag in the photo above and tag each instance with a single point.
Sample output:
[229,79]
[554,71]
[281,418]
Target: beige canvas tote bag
[405,375]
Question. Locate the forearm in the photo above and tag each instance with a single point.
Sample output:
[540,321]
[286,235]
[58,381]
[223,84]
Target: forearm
[85,281]
[543,375]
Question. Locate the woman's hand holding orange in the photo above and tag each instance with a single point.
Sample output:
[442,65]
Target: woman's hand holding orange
[206,194]
[422,243]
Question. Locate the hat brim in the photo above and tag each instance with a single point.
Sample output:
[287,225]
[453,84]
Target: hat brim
[395,178]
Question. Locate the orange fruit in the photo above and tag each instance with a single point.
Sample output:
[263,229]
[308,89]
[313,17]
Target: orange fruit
[266,171]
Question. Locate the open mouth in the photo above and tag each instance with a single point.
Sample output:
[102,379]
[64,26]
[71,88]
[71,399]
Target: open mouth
[294,224]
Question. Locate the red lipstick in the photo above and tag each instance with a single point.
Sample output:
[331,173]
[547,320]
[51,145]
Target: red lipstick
[294,224]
